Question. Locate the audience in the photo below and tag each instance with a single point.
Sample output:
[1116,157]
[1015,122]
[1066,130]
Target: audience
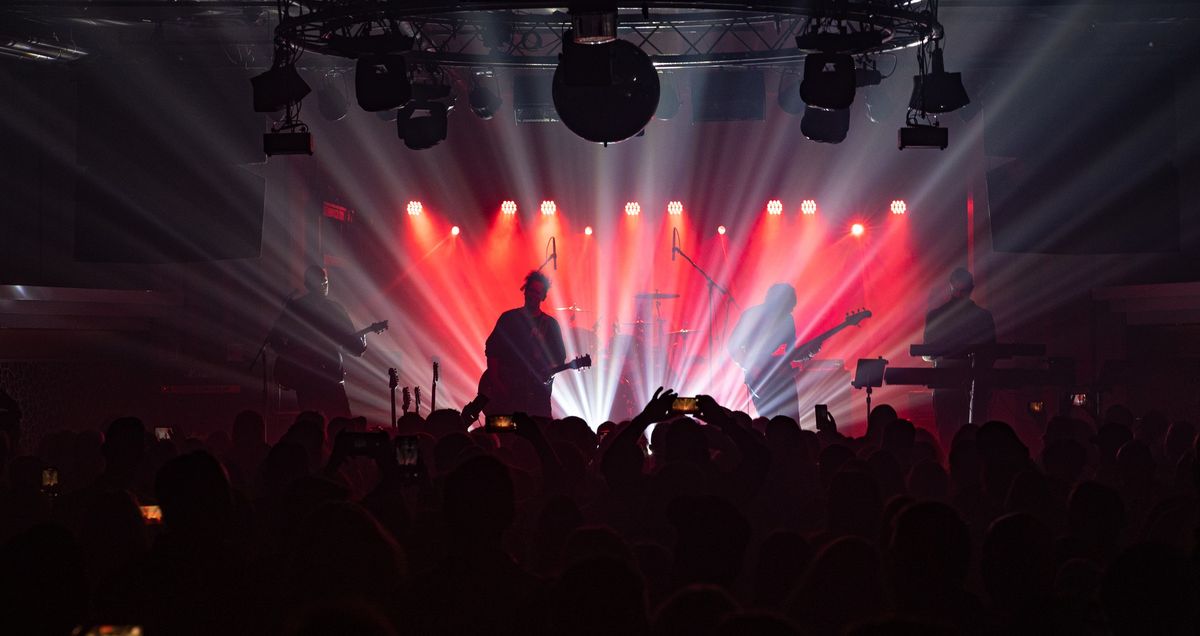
[719,524]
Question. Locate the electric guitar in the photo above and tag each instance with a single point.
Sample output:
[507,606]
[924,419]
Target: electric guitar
[758,370]
[433,389]
[393,382]
[505,397]
[289,370]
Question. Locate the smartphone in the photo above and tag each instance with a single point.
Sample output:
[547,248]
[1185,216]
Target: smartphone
[162,433]
[685,406]
[1036,407]
[363,442]
[1079,399]
[151,515]
[408,451]
[500,424]
[50,481]
[823,418]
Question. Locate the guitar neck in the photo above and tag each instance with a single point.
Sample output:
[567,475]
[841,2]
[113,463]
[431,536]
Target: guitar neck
[824,336]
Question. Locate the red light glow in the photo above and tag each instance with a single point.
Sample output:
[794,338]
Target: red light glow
[587,230]
[632,209]
[675,208]
[775,207]
[549,208]
[509,208]
[857,229]
[454,231]
[415,208]
[721,230]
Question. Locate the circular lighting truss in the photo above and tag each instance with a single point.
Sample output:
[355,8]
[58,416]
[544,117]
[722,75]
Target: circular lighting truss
[673,34]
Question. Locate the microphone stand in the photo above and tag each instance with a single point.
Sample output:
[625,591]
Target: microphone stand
[712,285]
[553,255]
[262,353]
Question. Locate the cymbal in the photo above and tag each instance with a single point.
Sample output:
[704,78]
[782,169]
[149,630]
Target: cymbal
[655,296]
[573,308]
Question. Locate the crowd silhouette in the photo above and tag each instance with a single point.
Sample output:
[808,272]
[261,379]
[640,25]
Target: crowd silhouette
[716,525]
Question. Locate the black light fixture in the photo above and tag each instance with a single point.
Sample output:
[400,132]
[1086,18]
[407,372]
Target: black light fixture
[605,93]
[593,21]
[938,91]
[825,126]
[381,82]
[423,124]
[916,135]
[485,97]
[280,86]
[829,81]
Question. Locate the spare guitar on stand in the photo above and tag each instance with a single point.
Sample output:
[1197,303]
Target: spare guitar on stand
[433,389]
[393,382]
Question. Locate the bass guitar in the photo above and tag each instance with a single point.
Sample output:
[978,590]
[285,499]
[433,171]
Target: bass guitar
[757,370]
[290,370]
[506,397]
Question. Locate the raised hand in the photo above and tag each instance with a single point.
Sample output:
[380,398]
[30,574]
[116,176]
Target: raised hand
[658,408]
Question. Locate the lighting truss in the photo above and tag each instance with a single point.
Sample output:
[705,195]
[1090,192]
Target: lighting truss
[529,34]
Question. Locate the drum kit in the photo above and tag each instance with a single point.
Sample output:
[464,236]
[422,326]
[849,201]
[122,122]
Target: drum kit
[642,351]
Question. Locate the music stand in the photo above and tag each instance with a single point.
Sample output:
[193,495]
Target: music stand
[868,374]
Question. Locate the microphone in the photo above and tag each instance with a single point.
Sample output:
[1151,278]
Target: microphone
[554,252]
[674,242]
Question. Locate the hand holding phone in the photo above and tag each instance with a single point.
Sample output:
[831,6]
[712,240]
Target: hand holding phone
[151,515]
[162,433]
[825,421]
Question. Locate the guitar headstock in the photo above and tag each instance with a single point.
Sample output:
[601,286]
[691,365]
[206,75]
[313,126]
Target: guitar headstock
[379,327]
[435,370]
[393,378]
[582,362]
[857,316]
[407,400]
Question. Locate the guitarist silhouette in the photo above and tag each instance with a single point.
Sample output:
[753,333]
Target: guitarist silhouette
[521,350]
[309,338]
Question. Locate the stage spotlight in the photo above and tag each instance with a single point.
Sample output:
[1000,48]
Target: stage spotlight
[593,21]
[509,208]
[549,208]
[899,207]
[331,99]
[825,126]
[675,208]
[415,208]
[605,93]
[587,230]
[632,209]
[280,86]
[381,82]
[808,207]
[857,229]
[485,97]
[721,230]
[454,231]
[939,91]
[423,125]
[775,207]
[828,81]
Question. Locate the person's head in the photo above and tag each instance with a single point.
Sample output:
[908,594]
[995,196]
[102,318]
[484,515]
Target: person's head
[781,297]
[536,286]
[249,430]
[316,280]
[961,283]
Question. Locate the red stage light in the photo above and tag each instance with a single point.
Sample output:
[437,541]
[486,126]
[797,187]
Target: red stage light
[588,230]
[414,208]
[857,229]
[632,209]
[454,231]
[675,208]
[775,207]
[808,207]
[899,207]
[549,208]
[509,208]
[721,230]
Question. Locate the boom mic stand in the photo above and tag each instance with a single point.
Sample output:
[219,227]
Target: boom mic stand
[262,353]
[712,286]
